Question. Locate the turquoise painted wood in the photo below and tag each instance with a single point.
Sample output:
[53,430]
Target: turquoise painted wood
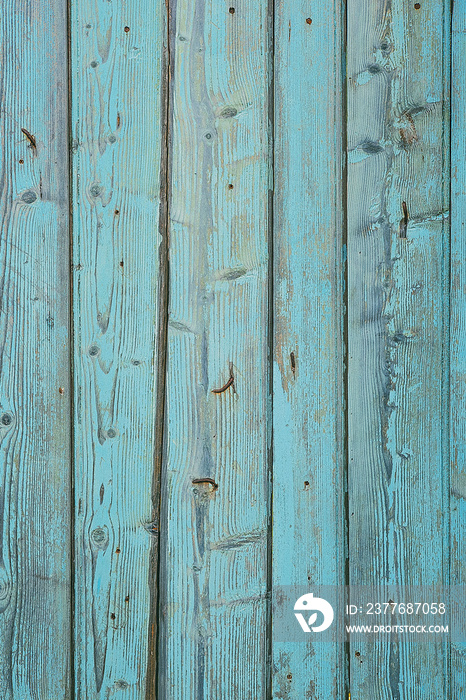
[398,315]
[232,356]
[215,492]
[35,387]
[116,71]
[457,335]
[308,524]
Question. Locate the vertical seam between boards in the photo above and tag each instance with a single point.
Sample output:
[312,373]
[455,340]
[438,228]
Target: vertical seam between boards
[152,677]
[71,351]
[446,293]
[270,339]
[344,320]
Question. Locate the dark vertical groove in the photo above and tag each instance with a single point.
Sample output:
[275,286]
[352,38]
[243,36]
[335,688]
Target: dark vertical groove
[161,355]
[72,676]
[270,335]
[345,336]
[446,431]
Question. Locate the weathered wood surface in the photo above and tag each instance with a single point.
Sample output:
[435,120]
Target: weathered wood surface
[458,338]
[34,347]
[252,410]
[308,383]
[398,326]
[116,146]
[214,524]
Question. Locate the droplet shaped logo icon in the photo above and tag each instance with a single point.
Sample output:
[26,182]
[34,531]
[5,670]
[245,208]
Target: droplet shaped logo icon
[313,606]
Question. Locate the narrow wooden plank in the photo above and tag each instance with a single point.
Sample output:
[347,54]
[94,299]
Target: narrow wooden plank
[308,387]
[116,122]
[458,346]
[34,354]
[398,327]
[214,530]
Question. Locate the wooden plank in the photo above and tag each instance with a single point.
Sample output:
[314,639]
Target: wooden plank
[116,128]
[214,531]
[458,345]
[308,386]
[34,354]
[398,326]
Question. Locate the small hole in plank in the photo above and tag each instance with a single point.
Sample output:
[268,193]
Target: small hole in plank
[230,186]
[117,550]
[117,211]
[417,5]
[21,161]
[309,20]
[112,616]
[127,29]
[231,10]
[289,676]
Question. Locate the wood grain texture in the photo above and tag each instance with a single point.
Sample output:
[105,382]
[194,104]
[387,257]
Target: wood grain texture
[207,141]
[458,345]
[308,387]
[34,364]
[398,326]
[116,129]
[214,536]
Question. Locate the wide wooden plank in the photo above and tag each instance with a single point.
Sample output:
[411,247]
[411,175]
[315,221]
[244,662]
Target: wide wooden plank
[214,608]
[458,347]
[117,145]
[308,378]
[34,354]
[398,234]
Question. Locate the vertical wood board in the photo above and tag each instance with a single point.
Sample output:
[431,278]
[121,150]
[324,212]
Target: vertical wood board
[398,231]
[214,608]
[117,145]
[34,354]
[458,347]
[308,383]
